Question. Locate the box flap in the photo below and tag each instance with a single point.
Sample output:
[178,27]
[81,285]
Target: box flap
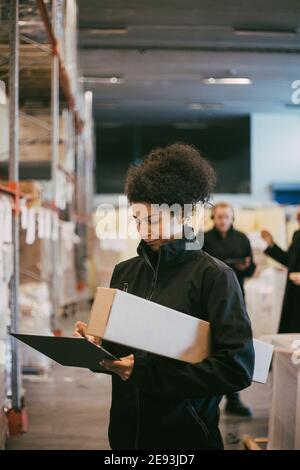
[100,311]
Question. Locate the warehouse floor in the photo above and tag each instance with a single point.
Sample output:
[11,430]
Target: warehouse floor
[69,408]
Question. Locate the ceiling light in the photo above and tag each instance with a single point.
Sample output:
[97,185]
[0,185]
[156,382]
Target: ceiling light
[204,106]
[104,31]
[265,32]
[227,81]
[102,80]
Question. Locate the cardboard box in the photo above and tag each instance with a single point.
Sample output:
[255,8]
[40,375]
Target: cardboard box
[284,417]
[132,321]
[135,322]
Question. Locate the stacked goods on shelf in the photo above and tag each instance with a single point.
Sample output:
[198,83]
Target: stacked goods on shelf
[35,311]
[66,270]
[3,421]
[6,266]
[35,138]
[36,230]
[4,127]
[284,418]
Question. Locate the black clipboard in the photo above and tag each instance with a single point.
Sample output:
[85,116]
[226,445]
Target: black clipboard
[72,352]
[232,261]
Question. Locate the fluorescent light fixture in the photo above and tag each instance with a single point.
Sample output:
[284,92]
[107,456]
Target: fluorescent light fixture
[104,31]
[28,23]
[102,80]
[227,81]
[265,32]
[204,106]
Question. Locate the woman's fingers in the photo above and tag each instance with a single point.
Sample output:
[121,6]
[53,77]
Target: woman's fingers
[77,335]
[80,329]
[295,278]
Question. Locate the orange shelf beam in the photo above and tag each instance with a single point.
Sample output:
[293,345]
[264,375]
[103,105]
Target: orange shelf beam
[63,74]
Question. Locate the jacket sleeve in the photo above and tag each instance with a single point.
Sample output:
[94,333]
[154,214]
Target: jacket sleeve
[278,254]
[248,252]
[228,369]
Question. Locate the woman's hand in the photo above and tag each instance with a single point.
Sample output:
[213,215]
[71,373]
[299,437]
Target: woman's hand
[122,368]
[295,278]
[267,237]
[80,331]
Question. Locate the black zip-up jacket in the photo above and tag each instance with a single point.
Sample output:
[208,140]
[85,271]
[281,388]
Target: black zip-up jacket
[234,245]
[170,404]
[290,315]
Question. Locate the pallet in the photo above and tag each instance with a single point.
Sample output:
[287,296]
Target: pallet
[254,443]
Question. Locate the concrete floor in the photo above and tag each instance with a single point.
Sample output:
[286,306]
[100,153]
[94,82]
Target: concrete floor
[69,408]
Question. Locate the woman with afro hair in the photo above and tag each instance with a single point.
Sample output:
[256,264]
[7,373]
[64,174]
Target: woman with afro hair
[157,402]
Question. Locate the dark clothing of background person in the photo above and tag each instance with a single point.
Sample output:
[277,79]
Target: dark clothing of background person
[234,245]
[166,403]
[290,316]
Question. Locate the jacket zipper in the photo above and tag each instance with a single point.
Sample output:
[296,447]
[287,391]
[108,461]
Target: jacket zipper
[195,415]
[138,398]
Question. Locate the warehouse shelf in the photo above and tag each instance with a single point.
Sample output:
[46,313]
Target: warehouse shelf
[45,100]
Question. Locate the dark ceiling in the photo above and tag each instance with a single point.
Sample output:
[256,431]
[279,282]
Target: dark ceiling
[161,51]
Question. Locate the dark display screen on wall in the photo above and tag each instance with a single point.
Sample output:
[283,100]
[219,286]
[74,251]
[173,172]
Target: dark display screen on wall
[226,144]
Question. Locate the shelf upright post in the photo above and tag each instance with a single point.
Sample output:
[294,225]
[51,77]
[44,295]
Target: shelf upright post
[13,173]
[54,164]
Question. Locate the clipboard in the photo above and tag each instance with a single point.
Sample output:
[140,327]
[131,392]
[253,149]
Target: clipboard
[232,261]
[72,352]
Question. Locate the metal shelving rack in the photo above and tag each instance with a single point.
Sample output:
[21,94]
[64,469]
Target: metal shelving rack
[64,84]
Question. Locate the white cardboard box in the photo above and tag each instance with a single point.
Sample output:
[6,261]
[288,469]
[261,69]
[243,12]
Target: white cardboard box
[132,321]
[284,417]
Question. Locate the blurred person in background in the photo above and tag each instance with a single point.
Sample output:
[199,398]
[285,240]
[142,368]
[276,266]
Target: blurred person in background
[290,315]
[234,249]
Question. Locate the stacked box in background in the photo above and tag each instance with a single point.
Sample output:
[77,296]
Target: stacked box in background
[35,138]
[3,420]
[66,271]
[284,422]
[35,311]
[6,266]
[4,131]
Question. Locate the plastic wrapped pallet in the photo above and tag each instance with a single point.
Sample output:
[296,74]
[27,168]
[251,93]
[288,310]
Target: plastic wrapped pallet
[284,421]
[66,270]
[3,420]
[35,311]
[4,134]
[6,266]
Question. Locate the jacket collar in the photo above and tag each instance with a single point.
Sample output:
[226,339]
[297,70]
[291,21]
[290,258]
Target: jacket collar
[229,231]
[174,251]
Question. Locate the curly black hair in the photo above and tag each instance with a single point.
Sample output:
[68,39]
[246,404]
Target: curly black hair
[176,174]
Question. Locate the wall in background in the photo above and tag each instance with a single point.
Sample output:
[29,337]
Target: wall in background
[275,158]
[275,151]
